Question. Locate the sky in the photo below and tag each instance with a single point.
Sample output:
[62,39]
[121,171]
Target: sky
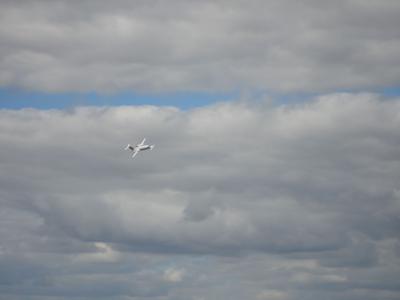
[275,172]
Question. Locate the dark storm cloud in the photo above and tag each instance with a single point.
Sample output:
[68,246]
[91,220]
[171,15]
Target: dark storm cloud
[199,45]
[285,202]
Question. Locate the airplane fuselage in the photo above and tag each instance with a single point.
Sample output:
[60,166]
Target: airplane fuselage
[140,147]
[144,147]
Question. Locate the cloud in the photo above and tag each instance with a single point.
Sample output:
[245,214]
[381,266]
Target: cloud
[105,253]
[272,295]
[173,275]
[242,199]
[64,46]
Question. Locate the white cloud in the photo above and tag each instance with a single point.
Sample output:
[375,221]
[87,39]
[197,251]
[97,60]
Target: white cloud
[300,199]
[174,275]
[199,45]
[104,253]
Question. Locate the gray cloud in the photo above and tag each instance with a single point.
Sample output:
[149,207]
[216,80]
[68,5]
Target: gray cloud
[250,200]
[199,45]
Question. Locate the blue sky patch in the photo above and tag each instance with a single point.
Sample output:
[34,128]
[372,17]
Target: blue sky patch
[18,99]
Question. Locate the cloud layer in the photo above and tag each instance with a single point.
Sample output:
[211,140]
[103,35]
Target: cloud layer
[238,201]
[175,45]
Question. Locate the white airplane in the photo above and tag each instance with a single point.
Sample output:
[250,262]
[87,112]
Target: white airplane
[139,147]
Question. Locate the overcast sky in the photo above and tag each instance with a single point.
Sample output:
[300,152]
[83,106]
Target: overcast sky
[150,46]
[287,188]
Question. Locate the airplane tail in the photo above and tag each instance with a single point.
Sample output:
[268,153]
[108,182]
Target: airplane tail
[127,147]
[151,147]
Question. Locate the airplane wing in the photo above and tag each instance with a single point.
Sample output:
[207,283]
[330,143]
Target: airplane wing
[135,152]
[142,142]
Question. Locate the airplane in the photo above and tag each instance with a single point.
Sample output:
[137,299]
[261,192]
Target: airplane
[139,147]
